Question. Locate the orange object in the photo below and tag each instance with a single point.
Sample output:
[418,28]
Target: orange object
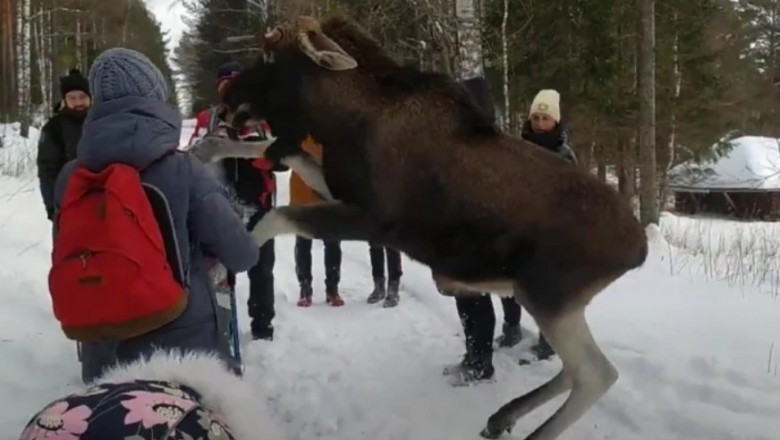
[300,193]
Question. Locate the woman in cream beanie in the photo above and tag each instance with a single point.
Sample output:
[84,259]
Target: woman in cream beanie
[544,128]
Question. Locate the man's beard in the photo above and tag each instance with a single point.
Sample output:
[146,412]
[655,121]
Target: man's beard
[78,112]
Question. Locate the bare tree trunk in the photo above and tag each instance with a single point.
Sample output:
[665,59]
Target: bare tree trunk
[648,192]
[8,62]
[79,30]
[626,169]
[505,67]
[24,65]
[469,40]
[128,6]
[672,141]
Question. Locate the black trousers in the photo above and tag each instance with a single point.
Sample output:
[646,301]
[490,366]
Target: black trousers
[261,281]
[479,321]
[332,262]
[377,254]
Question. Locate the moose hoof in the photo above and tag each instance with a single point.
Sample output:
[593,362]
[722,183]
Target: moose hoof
[496,426]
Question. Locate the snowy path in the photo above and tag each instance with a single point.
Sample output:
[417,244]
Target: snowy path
[693,355]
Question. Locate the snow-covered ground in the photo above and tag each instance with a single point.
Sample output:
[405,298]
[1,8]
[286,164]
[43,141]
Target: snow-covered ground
[17,155]
[699,357]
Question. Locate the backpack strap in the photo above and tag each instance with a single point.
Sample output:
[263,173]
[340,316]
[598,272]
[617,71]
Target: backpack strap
[162,213]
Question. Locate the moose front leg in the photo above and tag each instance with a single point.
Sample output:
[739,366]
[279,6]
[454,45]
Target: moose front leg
[215,148]
[323,221]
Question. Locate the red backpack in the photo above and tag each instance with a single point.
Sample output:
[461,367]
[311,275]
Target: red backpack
[113,275]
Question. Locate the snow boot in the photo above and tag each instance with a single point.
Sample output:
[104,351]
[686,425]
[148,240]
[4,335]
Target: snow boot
[543,350]
[510,336]
[261,331]
[540,352]
[470,371]
[379,292]
[393,297]
[306,293]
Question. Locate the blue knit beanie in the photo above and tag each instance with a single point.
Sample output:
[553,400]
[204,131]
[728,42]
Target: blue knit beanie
[119,73]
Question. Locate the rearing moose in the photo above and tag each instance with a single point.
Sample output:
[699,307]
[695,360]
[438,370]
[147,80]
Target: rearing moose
[413,163]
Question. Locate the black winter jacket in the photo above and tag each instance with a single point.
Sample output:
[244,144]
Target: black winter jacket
[57,146]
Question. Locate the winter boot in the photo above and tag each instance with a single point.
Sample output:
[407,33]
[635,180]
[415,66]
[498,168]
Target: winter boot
[333,298]
[379,291]
[540,352]
[262,331]
[471,371]
[306,293]
[510,336]
[543,350]
[392,294]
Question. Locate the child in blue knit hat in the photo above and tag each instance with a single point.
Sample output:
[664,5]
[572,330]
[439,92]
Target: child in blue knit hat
[132,123]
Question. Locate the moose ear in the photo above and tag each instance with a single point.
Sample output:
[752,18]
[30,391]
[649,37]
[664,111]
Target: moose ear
[335,61]
[324,51]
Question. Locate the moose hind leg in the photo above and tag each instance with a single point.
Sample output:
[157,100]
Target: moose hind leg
[505,418]
[586,371]
[591,373]
[323,221]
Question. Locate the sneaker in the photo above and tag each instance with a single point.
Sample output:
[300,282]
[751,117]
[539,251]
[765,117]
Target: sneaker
[510,336]
[379,292]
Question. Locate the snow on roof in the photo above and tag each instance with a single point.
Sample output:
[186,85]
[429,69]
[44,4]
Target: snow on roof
[752,164]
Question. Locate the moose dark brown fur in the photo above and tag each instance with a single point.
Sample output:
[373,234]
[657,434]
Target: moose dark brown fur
[414,164]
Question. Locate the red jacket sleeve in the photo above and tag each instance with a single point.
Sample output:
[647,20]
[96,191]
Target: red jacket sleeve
[201,126]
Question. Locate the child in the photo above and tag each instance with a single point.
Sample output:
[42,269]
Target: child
[167,396]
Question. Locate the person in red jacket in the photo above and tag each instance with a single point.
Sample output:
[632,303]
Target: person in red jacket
[251,186]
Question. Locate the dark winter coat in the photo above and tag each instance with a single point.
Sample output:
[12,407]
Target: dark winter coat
[143,132]
[556,140]
[56,147]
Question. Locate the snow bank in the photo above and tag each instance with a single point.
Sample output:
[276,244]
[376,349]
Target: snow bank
[752,163]
[17,154]
[738,253]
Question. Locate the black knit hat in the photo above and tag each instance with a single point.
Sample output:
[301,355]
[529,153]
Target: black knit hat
[74,80]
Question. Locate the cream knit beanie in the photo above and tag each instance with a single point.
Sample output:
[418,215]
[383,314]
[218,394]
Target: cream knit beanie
[547,102]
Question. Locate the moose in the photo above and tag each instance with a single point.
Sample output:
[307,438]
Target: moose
[410,161]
